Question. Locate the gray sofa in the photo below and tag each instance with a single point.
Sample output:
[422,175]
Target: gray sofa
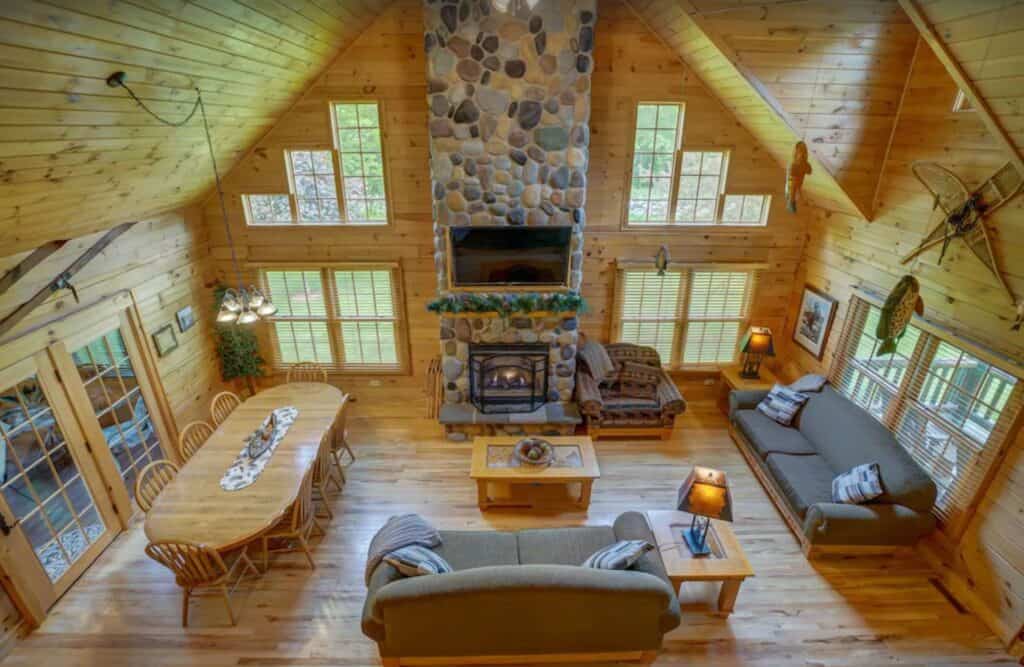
[830,436]
[523,594]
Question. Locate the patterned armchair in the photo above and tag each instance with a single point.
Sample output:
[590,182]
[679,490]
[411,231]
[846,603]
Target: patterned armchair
[622,389]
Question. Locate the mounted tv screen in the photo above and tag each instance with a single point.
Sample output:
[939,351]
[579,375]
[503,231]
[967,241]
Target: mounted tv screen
[503,256]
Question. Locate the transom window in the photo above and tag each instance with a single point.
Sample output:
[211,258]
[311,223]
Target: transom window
[344,318]
[745,209]
[658,131]
[267,209]
[692,317]
[949,408]
[314,187]
[358,140]
[701,181]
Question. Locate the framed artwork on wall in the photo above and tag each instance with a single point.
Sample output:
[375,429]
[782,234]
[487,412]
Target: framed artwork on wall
[186,319]
[165,340]
[814,321]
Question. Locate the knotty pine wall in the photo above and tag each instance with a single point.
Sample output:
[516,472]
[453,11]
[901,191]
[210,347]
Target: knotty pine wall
[386,63]
[164,262]
[987,568]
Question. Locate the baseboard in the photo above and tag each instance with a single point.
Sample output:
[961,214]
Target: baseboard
[643,657]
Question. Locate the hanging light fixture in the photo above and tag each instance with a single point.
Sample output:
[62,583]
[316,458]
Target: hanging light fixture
[241,305]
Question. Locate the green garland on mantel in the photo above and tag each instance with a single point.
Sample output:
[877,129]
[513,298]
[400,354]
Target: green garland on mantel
[509,304]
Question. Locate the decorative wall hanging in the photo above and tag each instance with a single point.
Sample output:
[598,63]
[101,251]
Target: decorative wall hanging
[186,319]
[165,340]
[661,260]
[903,301]
[799,168]
[508,304]
[814,321]
[243,305]
[964,213]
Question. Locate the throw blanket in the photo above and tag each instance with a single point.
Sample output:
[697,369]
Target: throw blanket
[245,470]
[809,383]
[400,531]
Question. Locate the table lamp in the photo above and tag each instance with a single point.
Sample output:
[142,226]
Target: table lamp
[705,495]
[756,344]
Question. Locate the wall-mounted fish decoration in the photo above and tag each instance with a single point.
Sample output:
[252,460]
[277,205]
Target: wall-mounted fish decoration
[904,300]
[796,172]
[661,260]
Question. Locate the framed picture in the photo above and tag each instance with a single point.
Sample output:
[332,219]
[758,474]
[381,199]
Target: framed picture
[186,319]
[814,321]
[165,340]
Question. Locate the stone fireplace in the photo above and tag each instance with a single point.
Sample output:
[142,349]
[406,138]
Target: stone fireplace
[508,94]
[507,378]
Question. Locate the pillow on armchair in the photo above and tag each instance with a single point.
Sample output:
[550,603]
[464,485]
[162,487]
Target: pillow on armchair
[597,361]
[638,380]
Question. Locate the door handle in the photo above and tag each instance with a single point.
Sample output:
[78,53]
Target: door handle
[5,527]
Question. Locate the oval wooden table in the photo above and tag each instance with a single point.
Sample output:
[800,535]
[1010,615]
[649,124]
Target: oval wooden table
[193,507]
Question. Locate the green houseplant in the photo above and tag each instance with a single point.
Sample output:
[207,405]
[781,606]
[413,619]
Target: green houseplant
[238,349]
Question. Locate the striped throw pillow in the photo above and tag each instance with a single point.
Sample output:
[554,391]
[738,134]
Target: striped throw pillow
[413,561]
[858,485]
[619,556]
[782,404]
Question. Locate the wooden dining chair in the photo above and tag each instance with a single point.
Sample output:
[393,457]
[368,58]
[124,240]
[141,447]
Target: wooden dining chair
[323,474]
[339,442]
[306,371]
[222,405]
[192,437]
[295,527]
[197,567]
[151,481]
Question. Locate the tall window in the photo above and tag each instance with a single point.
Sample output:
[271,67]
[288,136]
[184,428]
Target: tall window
[314,187]
[360,151]
[951,409]
[344,317]
[692,317]
[658,132]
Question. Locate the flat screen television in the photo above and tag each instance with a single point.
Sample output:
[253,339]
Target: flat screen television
[509,256]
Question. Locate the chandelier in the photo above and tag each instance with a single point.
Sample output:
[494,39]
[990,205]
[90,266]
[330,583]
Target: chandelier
[241,305]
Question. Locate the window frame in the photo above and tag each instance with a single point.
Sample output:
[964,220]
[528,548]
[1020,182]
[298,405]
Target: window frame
[247,209]
[908,402]
[676,164]
[682,320]
[385,160]
[723,176]
[293,196]
[333,318]
[766,207]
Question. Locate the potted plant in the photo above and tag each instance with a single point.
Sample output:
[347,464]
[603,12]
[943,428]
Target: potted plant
[238,349]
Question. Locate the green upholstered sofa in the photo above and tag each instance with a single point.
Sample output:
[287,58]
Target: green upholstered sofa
[522,596]
[796,465]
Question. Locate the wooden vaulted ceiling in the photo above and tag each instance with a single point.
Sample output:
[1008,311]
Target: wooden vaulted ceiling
[77,156]
[829,73]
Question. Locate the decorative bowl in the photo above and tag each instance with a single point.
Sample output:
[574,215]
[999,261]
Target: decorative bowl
[534,451]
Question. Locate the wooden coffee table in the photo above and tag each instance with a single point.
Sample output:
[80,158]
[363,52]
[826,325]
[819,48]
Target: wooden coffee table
[502,481]
[727,563]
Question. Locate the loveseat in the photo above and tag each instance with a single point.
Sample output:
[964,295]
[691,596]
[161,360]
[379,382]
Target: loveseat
[797,464]
[619,401]
[524,594]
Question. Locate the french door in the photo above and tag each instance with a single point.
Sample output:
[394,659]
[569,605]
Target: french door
[57,515]
[78,423]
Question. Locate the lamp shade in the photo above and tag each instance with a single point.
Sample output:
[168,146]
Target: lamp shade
[758,340]
[706,493]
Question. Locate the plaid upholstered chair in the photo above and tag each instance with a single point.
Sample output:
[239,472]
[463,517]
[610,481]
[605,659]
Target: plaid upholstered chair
[622,390]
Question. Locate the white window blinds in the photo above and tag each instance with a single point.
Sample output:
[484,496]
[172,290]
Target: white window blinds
[950,409]
[345,318]
[692,317]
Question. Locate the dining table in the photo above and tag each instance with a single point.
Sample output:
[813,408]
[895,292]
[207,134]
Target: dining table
[194,508]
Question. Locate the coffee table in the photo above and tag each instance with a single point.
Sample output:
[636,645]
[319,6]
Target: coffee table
[727,563]
[504,481]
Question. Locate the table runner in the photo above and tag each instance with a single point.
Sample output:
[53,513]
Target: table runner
[244,471]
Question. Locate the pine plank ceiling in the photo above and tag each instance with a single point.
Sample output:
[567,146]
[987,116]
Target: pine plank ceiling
[77,156]
[829,73]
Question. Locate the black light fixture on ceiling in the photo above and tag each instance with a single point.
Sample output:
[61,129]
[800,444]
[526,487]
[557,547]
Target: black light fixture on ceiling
[241,305]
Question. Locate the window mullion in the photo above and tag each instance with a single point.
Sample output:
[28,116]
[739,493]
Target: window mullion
[333,322]
[677,171]
[682,316]
[917,371]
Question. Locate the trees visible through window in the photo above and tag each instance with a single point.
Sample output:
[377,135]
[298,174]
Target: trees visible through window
[314,187]
[655,143]
[267,209]
[745,209]
[701,180]
[358,140]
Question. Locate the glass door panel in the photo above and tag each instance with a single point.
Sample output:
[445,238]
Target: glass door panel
[47,484]
[117,402]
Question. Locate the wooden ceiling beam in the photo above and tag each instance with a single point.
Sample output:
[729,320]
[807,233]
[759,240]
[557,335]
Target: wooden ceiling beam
[34,258]
[970,91]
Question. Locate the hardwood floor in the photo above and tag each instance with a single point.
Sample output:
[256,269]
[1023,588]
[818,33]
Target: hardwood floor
[867,611]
